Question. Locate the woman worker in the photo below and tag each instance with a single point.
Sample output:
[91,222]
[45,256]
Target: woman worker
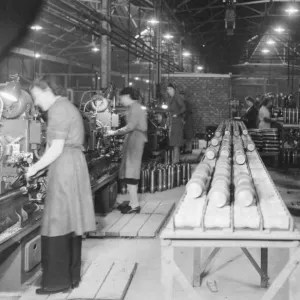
[188,131]
[68,211]
[176,110]
[250,118]
[264,114]
[133,147]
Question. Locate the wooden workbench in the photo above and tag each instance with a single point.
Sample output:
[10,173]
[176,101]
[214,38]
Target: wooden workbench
[198,237]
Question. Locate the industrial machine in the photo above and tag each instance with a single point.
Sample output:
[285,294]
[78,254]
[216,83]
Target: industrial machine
[22,140]
[157,133]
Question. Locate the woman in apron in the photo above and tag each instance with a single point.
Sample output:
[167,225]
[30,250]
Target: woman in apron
[188,131]
[264,114]
[250,117]
[69,210]
[133,147]
[176,110]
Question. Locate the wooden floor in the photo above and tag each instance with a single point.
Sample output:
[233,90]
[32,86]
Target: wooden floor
[101,280]
[155,210]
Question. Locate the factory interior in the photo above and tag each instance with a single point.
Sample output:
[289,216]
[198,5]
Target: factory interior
[218,213]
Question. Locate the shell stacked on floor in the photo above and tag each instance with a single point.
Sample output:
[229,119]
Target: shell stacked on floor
[231,189]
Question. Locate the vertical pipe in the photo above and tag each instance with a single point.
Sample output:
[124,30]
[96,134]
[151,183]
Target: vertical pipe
[149,84]
[129,31]
[180,55]
[105,49]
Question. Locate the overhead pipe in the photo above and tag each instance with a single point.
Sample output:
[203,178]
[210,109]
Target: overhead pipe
[117,40]
[98,15]
[103,31]
[91,30]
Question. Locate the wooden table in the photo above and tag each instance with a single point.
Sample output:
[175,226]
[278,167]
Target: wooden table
[171,239]
[201,236]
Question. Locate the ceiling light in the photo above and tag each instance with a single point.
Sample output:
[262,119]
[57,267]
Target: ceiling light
[270,42]
[95,49]
[265,50]
[168,36]
[200,68]
[36,27]
[147,80]
[143,107]
[279,29]
[185,53]
[164,106]
[136,78]
[130,84]
[291,10]
[153,21]
[37,55]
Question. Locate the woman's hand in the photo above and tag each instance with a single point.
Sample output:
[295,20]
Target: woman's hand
[31,171]
[110,133]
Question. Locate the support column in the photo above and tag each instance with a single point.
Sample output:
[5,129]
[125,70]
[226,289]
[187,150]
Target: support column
[180,54]
[158,48]
[105,66]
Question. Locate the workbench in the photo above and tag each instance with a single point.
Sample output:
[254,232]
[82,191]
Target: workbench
[199,236]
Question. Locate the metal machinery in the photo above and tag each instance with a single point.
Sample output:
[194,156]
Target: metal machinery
[21,142]
[102,153]
[157,132]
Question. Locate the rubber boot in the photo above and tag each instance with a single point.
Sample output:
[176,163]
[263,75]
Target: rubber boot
[76,260]
[56,263]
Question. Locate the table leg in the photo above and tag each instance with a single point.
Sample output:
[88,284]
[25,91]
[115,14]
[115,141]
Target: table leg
[196,267]
[167,279]
[264,267]
[293,284]
[286,272]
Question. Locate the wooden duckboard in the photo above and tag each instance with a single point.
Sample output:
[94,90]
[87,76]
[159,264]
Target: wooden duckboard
[101,280]
[146,224]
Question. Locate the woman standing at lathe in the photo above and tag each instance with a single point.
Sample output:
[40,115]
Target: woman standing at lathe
[69,210]
[176,111]
[133,148]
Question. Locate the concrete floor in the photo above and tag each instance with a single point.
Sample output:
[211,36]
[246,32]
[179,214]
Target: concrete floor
[235,276]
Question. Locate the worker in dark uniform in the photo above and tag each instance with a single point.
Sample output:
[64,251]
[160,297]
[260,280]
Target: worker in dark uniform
[250,118]
[68,212]
[176,111]
[133,147]
[188,130]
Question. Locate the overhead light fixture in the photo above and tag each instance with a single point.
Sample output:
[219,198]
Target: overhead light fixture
[95,49]
[37,55]
[36,27]
[279,29]
[147,80]
[265,51]
[164,106]
[270,42]
[143,107]
[168,36]
[153,21]
[136,78]
[186,53]
[130,83]
[200,68]
[291,10]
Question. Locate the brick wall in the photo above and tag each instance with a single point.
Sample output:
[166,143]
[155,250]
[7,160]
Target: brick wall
[208,95]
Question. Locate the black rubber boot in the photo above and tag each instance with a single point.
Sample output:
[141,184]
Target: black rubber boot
[56,262]
[76,260]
